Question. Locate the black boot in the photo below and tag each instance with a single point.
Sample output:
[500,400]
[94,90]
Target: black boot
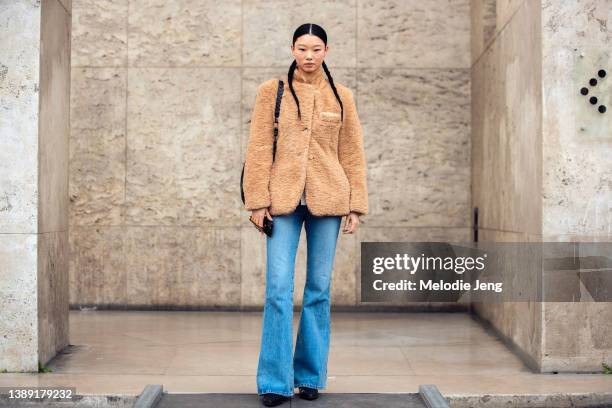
[270,399]
[309,393]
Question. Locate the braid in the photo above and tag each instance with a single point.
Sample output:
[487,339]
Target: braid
[290,78]
[331,82]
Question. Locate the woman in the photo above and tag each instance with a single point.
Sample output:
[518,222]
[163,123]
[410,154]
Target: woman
[318,175]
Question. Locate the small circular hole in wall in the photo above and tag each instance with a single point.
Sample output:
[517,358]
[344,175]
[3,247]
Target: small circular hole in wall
[593,100]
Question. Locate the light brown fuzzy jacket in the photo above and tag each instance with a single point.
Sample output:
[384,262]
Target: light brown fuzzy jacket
[320,152]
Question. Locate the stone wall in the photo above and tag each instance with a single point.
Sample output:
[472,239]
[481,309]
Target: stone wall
[161,101]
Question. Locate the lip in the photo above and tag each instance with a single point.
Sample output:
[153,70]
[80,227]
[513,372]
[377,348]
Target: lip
[309,65]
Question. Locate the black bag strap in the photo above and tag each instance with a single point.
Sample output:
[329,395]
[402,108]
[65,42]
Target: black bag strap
[279,95]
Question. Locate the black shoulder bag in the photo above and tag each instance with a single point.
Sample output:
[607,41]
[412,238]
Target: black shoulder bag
[279,94]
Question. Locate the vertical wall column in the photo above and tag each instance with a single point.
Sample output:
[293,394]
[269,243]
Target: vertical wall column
[507,149]
[540,159]
[577,182]
[34,130]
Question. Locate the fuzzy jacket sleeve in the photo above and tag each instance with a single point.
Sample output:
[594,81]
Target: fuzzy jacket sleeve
[259,151]
[351,155]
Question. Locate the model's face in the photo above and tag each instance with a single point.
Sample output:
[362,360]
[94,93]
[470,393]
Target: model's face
[309,52]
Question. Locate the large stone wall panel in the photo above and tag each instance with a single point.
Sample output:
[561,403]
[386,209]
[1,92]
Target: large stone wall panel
[578,182]
[180,266]
[53,294]
[97,265]
[577,186]
[184,33]
[413,34]
[54,119]
[19,100]
[273,22]
[18,302]
[417,144]
[97,146]
[506,144]
[99,33]
[183,147]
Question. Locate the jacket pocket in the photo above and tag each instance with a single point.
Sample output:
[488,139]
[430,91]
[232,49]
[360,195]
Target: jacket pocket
[329,127]
[330,117]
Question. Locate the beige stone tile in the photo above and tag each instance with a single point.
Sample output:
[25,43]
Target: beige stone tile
[54,119]
[176,329]
[183,266]
[163,328]
[184,33]
[417,145]
[281,18]
[19,101]
[576,187]
[410,32]
[477,359]
[111,359]
[97,265]
[212,359]
[183,147]
[18,301]
[52,293]
[506,155]
[99,33]
[370,360]
[97,146]
[381,329]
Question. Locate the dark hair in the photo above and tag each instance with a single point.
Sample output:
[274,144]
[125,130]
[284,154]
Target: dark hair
[317,30]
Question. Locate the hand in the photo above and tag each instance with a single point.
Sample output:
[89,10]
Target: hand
[258,215]
[351,223]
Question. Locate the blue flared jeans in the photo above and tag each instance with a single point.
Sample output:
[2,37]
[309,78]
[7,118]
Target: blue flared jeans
[279,370]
